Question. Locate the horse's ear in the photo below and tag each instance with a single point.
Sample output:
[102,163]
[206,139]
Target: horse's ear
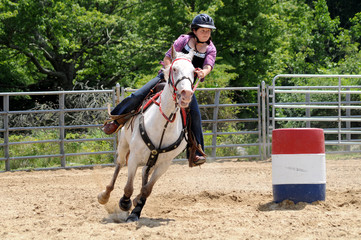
[191,54]
[174,53]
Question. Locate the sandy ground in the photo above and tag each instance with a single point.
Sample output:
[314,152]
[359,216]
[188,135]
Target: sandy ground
[222,200]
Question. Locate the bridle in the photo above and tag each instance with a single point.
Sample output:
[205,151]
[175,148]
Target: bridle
[171,118]
[174,84]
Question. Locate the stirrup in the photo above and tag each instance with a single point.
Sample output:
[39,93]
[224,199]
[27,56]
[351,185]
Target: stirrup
[199,160]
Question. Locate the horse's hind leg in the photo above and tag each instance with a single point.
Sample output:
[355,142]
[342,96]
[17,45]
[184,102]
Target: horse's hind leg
[135,215]
[123,154]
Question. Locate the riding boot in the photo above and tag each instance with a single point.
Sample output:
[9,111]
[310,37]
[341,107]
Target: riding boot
[116,122]
[195,152]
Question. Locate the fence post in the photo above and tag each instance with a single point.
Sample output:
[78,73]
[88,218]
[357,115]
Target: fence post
[62,129]
[122,94]
[6,133]
[348,115]
[263,96]
[117,87]
[339,110]
[116,99]
[308,111]
[215,123]
[268,118]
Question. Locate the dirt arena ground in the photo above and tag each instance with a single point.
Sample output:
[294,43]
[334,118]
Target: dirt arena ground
[222,200]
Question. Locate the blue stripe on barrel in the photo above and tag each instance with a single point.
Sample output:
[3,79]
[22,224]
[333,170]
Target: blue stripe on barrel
[298,165]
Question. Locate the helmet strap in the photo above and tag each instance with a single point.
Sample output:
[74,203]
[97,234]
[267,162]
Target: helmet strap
[198,39]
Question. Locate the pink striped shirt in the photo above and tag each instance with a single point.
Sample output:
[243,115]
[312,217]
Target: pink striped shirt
[182,40]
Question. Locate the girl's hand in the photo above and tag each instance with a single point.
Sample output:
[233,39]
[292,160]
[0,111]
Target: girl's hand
[200,73]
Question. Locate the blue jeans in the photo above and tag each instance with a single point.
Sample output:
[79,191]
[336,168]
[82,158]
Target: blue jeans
[133,101]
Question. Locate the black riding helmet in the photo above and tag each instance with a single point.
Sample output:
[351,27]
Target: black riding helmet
[203,21]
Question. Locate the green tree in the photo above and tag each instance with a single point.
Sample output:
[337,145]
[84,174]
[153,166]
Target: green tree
[54,43]
[351,40]
[67,40]
[159,23]
[244,38]
[12,75]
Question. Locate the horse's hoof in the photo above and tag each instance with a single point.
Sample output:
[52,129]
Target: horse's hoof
[132,218]
[125,204]
[103,197]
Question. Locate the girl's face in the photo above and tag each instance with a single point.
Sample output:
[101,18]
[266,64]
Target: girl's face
[203,34]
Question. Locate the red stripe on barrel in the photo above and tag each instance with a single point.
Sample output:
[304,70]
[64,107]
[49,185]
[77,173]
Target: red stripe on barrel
[298,141]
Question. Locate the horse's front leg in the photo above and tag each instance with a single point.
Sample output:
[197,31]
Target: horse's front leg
[125,203]
[123,154]
[103,197]
[146,190]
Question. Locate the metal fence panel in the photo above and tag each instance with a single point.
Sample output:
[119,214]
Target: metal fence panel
[215,120]
[61,125]
[347,113]
[8,129]
[245,131]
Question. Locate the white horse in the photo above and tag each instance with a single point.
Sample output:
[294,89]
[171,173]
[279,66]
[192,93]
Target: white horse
[155,137]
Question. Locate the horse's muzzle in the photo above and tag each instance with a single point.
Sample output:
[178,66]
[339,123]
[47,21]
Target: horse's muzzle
[184,98]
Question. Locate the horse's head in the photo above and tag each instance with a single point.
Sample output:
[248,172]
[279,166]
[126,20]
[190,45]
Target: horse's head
[181,77]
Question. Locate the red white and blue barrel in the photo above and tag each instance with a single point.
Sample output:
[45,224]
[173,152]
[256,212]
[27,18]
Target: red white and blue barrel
[298,165]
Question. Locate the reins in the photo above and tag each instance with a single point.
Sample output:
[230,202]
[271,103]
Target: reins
[171,117]
[198,80]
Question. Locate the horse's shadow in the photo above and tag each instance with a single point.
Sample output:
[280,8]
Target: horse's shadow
[143,221]
[153,222]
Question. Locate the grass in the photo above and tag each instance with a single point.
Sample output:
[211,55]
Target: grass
[344,156]
[45,149]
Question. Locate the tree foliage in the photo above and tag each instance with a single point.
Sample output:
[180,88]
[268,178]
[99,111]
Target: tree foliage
[53,44]
[66,40]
